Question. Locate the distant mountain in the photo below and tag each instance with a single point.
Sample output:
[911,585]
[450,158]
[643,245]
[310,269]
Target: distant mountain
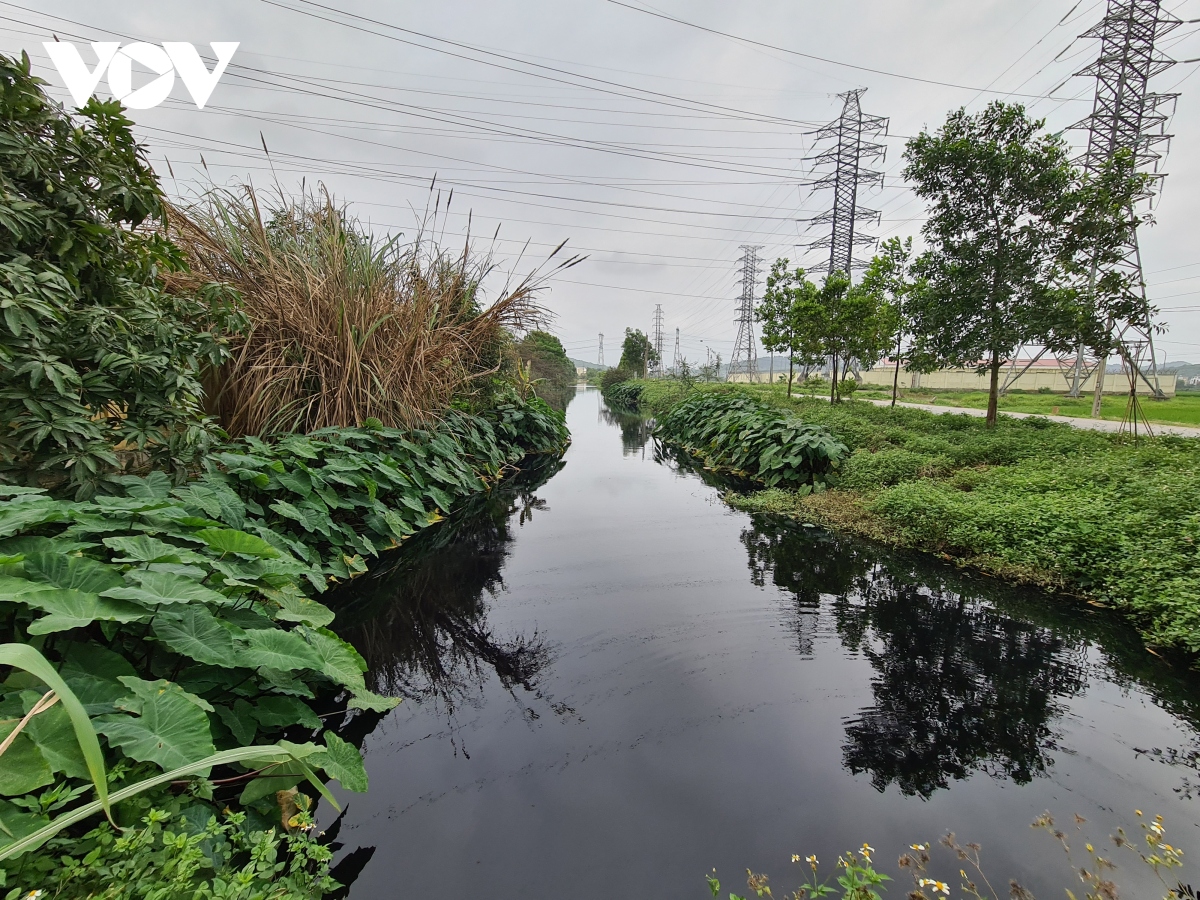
[590,366]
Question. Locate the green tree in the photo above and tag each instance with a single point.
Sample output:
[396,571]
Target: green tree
[840,322]
[549,367]
[889,276]
[779,311]
[637,353]
[95,353]
[1000,193]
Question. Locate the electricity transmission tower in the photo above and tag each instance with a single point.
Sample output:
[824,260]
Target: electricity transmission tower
[675,364]
[744,359]
[1126,116]
[656,368]
[600,361]
[853,147]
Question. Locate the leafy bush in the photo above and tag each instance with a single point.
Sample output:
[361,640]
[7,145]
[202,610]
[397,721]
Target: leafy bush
[625,394]
[613,377]
[737,434]
[96,357]
[188,849]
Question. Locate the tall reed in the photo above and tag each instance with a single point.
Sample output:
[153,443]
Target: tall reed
[343,326]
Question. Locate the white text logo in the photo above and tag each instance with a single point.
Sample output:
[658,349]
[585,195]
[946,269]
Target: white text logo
[171,59]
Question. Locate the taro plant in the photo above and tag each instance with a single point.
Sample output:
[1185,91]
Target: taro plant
[740,436]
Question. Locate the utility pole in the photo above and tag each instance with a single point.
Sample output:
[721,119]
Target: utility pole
[600,361]
[744,359]
[853,146]
[1126,116]
[657,368]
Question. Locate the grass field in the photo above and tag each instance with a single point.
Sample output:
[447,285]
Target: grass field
[1182,409]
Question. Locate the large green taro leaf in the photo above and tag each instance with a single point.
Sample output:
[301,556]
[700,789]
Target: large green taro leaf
[278,649]
[192,631]
[170,728]
[74,609]
[227,540]
[76,573]
[154,589]
[341,760]
[145,549]
[22,767]
[54,734]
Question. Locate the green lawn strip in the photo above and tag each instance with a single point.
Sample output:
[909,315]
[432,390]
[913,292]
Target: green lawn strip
[1182,409]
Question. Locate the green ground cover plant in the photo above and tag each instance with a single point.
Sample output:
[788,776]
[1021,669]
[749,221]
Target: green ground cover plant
[738,435]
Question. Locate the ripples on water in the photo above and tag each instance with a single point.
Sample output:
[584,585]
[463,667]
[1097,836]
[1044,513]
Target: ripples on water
[612,683]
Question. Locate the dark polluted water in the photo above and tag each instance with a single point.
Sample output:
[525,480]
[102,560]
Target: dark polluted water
[613,683]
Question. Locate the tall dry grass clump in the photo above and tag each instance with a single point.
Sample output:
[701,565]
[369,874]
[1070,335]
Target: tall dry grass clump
[343,326]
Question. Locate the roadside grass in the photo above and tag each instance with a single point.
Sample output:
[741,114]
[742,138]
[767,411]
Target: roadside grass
[1087,513]
[1182,409]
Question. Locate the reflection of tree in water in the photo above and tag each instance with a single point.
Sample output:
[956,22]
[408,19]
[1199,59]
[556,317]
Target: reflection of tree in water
[635,428]
[421,621]
[959,687]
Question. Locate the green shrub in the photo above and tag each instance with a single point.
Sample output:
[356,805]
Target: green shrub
[625,394]
[189,850]
[95,353]
[613,377]
[733,433]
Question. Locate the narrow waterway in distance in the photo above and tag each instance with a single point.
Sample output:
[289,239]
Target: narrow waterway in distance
[614,683]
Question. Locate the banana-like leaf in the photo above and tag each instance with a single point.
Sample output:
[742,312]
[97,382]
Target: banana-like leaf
[264,755]
[22,656]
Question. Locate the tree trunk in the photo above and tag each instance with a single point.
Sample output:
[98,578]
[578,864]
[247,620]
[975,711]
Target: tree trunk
[833,378]
[896,378]
[994,390]
[791,368]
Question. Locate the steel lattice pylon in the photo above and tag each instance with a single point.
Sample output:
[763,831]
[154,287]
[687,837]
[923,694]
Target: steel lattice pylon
[656,368]
[1125,115]
[744,360]
[675,363]
[853,147]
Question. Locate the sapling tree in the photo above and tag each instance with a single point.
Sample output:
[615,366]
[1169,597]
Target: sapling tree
[841,321]
[1000,192]
[778,312]
[890,277]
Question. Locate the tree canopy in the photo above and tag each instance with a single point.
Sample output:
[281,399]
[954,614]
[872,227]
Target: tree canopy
[1000,192]
[637,353]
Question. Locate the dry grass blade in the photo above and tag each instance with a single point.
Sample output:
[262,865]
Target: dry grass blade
[342,326]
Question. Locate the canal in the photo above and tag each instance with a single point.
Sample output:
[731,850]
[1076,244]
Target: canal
[614,683]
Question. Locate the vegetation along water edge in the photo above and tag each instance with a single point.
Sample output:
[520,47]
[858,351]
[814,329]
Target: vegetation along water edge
[1091,514]
[213,413]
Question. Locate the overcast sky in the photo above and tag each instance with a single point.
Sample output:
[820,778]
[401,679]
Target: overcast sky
[653,146]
